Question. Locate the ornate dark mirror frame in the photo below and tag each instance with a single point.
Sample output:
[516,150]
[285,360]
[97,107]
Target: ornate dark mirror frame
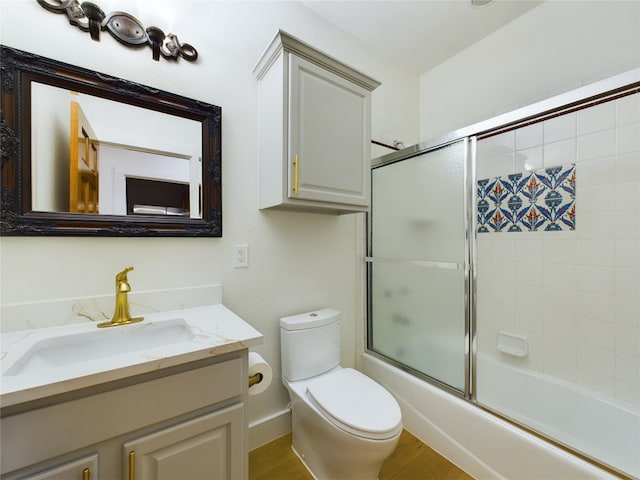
[19,70]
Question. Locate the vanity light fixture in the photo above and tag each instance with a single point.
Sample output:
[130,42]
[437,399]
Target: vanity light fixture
[125,28]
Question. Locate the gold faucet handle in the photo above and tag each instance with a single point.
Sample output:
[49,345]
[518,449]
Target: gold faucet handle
[122,276]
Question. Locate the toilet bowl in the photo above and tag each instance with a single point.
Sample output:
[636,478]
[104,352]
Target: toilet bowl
[344,424]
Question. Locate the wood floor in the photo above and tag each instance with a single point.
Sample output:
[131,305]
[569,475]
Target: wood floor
[412,460]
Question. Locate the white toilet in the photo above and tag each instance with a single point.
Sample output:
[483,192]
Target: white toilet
[344,424]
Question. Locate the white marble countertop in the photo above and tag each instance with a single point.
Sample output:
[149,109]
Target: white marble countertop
[202,332]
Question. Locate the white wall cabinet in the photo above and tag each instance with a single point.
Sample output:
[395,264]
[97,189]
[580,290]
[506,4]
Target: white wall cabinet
[187,423]
[315,130]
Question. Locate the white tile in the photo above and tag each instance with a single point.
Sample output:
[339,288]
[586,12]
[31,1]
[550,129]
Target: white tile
[529,319]
[503,271]
[628,167]
[627,368]
[559,353]
[559,128]
[503,143]
[597,198]
[596,145]
[500,165]
[559,301]
[484,290]
[627,196]
[559,251]
[483,148]
[628,339]
[596,333]
[529,273]
[628,138]
[529,136]
[627,225]
[483,168]
[484,313]
[557,275]
[627,282]
[598,171]
[628,392]
[596,252]
[595,279]
[627,310]
[483,247]
[593,119]
[527,250]
[503,293]
[598,360]
[504,316]
[529,296]
[628,253]
[503,248]
[594,225]
[560,325]
[559,235]
[628,109]
[528,159]
[596,306]
[559,153]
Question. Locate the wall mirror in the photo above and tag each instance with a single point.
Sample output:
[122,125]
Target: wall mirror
[84,153]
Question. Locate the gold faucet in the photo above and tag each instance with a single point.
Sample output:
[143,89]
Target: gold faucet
[121,315]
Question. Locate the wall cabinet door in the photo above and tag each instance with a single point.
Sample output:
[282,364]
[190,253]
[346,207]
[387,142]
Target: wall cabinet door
[85,468]
[329,136]
[209,446]
[315,130]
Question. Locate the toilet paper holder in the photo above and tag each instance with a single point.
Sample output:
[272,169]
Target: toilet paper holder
[256,378]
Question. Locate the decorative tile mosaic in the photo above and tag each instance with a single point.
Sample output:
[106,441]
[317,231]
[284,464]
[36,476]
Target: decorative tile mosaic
[542,200]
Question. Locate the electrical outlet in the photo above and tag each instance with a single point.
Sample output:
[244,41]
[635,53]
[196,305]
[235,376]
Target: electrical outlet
[240,256]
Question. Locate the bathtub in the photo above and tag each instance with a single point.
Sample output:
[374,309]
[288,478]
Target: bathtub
[488,447]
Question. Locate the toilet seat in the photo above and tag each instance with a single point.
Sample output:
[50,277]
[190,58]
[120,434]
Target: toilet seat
[357,404]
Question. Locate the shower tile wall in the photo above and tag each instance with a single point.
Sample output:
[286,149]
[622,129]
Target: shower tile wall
[574,294]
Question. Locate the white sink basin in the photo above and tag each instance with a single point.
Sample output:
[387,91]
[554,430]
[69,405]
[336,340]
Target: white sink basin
[68,350]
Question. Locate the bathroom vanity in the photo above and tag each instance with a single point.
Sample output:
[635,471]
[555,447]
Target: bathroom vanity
[169,404]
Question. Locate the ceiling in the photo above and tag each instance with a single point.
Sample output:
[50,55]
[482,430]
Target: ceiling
[419,34]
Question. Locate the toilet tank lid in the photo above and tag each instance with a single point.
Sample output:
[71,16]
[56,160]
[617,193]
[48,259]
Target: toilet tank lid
[316,318]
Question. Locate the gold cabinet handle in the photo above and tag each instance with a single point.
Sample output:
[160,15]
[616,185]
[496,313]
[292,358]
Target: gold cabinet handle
[86,474]
[296,163]
[132,465]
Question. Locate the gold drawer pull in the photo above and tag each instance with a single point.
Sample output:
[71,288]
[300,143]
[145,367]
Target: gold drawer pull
[86,474]
[132,465]
[296,163]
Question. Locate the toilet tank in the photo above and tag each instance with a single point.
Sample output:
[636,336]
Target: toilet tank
[310,343]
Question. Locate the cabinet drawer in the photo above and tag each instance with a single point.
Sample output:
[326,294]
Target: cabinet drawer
[85,468]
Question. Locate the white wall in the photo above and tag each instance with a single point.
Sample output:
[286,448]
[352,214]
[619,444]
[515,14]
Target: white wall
[298,261]
[554,48]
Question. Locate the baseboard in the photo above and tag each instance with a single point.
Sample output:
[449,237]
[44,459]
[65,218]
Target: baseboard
[264,430]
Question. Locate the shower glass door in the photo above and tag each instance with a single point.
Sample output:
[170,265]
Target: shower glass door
[417,263]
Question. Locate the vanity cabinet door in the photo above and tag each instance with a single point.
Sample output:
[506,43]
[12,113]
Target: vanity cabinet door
[85,468]
[209,446]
